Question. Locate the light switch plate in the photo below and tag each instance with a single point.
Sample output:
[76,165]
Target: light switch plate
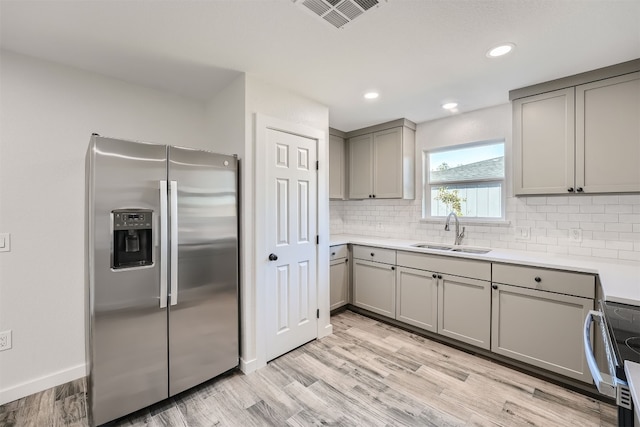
[523,233]
[5,242]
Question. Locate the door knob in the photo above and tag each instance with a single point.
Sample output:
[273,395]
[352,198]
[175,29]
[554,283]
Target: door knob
[273,257]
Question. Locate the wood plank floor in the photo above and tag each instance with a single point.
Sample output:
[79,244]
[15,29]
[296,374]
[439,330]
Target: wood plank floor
[366,374]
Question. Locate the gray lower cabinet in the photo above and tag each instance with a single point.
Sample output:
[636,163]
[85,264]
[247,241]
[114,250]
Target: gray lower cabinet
[540,321]
[339,279]
[374,287]
[374,280]
[417,298]
[464,310]
[338,276]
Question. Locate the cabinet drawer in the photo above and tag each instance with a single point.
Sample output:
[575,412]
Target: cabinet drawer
[563,282]
[370,253]
[444,264]
[337,252]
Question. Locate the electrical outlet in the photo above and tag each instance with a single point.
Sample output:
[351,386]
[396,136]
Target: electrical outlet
[379,226]
[5,340]
[575,235]
[523,233]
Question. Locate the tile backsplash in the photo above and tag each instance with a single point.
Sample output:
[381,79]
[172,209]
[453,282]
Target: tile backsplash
[610,224]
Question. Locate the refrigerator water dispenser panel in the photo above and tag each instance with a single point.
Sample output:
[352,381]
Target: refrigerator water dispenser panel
[132,238]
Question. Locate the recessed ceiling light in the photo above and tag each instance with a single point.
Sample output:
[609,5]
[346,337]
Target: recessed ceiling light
[450,105]
[500,50]
[371,95]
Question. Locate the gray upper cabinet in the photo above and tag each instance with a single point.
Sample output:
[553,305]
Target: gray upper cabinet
[580,138]
[337,166]
[382,161]
[608,135]
[543,143]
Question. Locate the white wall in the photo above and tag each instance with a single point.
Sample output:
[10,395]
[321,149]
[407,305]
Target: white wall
[279,103]
[610,223]
[47,114]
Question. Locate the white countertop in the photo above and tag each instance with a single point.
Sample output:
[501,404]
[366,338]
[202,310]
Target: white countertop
[632,370]
[620,279]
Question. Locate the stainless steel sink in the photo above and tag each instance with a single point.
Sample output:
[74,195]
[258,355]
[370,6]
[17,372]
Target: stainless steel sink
[472,250]
[463,249]
[430,246]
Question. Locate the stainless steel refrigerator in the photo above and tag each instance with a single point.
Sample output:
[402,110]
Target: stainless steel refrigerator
[162,272]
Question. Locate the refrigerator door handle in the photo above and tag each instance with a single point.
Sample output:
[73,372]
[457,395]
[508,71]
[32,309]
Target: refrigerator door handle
[163,244]
[174,241]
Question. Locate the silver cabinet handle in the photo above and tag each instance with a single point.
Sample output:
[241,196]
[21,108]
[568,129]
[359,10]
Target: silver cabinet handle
[163,244]
[173,191]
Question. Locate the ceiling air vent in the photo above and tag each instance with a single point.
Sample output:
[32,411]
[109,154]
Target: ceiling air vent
[339,12]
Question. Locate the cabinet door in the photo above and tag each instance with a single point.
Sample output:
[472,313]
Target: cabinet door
[336,167]
[543,143]
[464,310]
[361,167]
[417,298]
[387,163]
[339,283]
[374,287]
[540,328]
[608,135]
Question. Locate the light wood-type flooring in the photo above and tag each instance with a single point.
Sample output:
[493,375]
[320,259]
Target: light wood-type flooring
[366,374]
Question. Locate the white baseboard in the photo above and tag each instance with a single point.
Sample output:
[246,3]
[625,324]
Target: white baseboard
[39,384]
[248,366]
[326,331]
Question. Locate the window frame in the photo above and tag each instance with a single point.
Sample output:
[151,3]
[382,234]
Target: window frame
[427,185]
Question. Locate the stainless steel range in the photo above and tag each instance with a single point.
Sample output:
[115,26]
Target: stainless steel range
[619,326]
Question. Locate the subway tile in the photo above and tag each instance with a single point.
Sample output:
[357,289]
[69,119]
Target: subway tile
[567,225]
[606,235]
[591,208]
[629,199]
[564,200]
[629,218]
[546,240]
[559,250]
[604,253]
[536,200]
[581,200]
[592,243]
[569,209]
[592,226]
[558,217]
[606,200]
[620,245]
[604,217]
[619,227]
[618,209]
[534,247]
[546,208]
[627,255]
[632,237]
[577,250]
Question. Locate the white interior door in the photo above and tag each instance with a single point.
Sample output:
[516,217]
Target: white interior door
[291,220]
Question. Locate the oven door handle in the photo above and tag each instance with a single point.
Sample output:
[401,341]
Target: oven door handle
[605,388]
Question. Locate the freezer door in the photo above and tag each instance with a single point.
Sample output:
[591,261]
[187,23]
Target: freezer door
[203,313]
[127,345]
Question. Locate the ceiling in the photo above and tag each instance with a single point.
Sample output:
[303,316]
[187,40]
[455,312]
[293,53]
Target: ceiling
[416,53]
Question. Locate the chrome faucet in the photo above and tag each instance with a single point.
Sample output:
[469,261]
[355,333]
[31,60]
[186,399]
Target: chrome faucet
[459,236]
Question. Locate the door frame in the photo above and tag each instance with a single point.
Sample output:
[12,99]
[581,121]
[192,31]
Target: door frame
[263,124]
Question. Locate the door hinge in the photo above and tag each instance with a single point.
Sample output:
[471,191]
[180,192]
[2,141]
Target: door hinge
[317,239]
[317,313]
[317,165]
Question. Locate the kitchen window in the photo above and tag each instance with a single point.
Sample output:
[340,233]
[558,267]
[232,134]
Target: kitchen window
[466,179]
